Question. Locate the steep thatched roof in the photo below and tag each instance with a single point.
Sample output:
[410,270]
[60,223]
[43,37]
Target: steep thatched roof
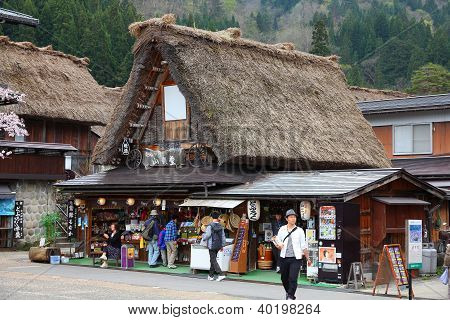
[56,85]
[367,94]
[253,100]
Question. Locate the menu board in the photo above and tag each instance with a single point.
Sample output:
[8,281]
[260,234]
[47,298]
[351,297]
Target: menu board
[238,263]
[391,268]
[18,220]
[327,223]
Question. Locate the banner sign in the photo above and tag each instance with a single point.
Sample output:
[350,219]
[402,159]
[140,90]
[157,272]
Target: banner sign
[413,244]
[253,210]
[71,219]
[18,220]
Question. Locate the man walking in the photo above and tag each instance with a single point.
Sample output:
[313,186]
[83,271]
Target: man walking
[292,245]
[276,225]
[170,238]
[215,237]
[150,234]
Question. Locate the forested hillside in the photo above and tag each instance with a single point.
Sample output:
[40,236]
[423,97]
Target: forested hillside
[396,44]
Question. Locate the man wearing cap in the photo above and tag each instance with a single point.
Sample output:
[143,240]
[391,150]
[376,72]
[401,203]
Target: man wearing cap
[153,225]
[291,242]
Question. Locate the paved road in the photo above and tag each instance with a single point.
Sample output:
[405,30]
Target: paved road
[21,279]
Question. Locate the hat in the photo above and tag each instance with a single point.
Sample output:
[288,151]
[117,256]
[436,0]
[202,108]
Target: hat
[153,213]
[291,212]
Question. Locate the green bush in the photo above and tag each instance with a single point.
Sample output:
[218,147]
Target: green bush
[49,222]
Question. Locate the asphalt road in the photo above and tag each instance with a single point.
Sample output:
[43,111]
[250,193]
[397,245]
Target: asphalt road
[21,279]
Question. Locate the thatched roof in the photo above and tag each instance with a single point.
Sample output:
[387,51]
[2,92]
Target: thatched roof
[56,85]
[254,101]
[368,94]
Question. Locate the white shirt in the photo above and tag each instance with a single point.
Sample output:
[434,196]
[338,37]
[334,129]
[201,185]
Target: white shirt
[298,241]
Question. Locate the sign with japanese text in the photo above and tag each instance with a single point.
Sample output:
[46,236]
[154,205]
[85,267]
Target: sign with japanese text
[71,219]
[157,158]
[413,244]
[18,220]
[253,210]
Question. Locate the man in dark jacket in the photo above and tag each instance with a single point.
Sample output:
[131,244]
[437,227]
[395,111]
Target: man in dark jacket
[276,225]
[215,237]
[152,245]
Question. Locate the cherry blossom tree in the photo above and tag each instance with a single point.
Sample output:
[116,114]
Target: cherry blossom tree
[10,122]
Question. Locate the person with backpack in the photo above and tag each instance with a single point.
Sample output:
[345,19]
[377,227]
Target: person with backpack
[291,242]
[150,234]
[215,237]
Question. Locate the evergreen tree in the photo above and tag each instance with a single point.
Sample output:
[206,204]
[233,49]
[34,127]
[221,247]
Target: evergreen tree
[320,44]
[430,79]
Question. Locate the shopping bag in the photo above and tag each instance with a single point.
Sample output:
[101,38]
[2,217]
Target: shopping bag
[444,277]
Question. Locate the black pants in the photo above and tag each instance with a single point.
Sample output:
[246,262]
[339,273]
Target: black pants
[214,265]
[290,268]
[276,257]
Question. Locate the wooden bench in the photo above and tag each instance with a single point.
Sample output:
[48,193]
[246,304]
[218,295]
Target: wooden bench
[96,256]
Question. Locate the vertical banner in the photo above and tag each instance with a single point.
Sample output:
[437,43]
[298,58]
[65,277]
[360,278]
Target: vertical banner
[18,220]
[413,244]
[71,219]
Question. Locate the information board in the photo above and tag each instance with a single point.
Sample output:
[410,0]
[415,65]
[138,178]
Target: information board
[413,244]
[18,220]
[391,269]
[238,263]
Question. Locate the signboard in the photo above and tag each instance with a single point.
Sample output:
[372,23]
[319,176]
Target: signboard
[238,263]
[253,210]
[327,223]
[312,271]
[71,219]
[18,220]
[413,244]
[157,158]
[391,268]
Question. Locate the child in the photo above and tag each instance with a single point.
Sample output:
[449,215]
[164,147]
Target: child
[162,246]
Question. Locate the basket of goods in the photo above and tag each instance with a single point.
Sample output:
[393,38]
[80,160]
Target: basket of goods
[207,220]
[234,220]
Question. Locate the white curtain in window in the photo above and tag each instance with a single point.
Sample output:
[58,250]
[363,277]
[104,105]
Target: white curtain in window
[174,104]
[403,139]
[421,138]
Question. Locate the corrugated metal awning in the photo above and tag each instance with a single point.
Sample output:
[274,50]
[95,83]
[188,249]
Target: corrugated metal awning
[401,201]
[212,203]
[5,192]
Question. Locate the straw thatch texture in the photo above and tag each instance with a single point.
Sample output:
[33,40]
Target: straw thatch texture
[56,85]
[367,94]
[252,101]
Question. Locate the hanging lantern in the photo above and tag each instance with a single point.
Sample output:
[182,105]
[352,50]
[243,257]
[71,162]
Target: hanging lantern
[77,202]
[253,210]
[305,210]
[101,201]
[130,201]
[157,202]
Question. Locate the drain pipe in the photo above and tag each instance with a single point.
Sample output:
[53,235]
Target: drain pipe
[429,220]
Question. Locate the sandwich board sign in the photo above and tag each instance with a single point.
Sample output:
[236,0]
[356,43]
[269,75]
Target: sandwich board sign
[413,244]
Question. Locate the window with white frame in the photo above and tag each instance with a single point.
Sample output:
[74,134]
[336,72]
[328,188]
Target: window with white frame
[412,139]
[68,162]
[174,104]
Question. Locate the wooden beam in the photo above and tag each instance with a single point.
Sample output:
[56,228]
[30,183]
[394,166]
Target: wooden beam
[143,106]
[136,125]
[156,69]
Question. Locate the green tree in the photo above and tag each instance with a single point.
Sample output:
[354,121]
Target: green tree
[430,79]
[320,43]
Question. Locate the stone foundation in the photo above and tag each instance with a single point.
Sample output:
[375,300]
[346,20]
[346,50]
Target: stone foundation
[38,198]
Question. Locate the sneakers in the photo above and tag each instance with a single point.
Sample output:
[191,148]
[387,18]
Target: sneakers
[220,278]
[172,266]
[103,257]
[278,270]
[104,265]
[210,278]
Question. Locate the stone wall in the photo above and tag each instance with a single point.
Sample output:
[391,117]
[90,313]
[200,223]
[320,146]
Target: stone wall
[38,198]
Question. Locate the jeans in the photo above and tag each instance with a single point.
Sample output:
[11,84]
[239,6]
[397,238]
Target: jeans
[214,264]
[290,268]
[153,252]
[164,257]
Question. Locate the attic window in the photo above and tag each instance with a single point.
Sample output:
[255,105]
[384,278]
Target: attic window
[174,104]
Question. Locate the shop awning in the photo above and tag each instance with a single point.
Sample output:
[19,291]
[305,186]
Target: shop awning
[401,201]
[5,192]
[212,203]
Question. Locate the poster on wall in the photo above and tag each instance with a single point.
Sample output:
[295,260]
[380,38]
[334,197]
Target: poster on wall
[310,235]
[7,207]
[18,220]
[327,223]
[327,254]
[71,219]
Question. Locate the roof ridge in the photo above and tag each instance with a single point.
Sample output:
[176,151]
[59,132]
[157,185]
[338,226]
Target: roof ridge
[26,45]
[406,98]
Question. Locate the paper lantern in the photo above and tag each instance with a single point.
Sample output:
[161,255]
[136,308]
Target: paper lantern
[305,210]
[253,210]
[157,202]
[130,201]
[101,201]
[77,202]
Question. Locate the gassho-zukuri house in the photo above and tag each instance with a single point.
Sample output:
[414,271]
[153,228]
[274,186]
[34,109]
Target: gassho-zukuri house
[212,121]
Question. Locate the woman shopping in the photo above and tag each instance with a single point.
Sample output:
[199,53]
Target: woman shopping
[112,248]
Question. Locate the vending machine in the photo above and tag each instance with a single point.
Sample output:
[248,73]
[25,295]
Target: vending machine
[338,239]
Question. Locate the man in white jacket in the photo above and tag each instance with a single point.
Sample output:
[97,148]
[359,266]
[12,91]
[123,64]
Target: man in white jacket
[291,242]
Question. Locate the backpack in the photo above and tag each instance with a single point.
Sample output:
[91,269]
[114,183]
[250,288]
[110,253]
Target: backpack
[147,234]
[216,238]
